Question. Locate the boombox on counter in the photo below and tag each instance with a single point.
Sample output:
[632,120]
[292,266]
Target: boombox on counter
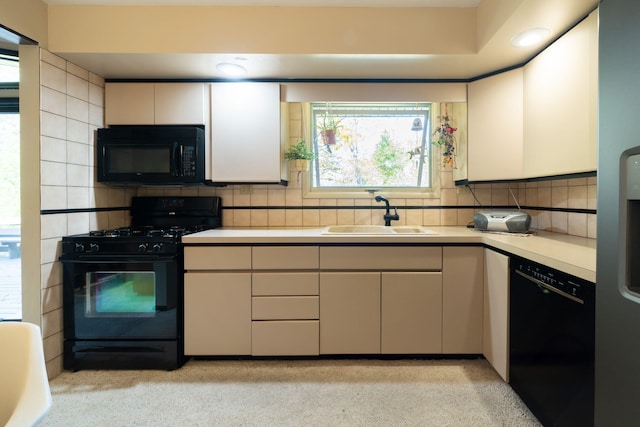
[506,221]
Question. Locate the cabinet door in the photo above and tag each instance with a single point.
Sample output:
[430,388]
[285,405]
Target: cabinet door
[411,313]
[179,103]
[462,294]
[560,105]
[350,313]
[245,132]
[217,314]
[496,312]
[129,104]
[496,127]
[155,103]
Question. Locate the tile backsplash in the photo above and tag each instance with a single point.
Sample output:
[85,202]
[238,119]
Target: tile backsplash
[564,206]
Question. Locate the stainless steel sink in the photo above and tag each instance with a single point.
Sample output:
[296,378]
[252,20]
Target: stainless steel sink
[376,229]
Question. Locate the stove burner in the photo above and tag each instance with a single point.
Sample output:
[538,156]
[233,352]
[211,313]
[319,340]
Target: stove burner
[156,233]
[122,231]
[149,231]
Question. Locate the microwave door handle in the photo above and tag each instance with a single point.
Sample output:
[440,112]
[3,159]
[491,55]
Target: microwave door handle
[177,158]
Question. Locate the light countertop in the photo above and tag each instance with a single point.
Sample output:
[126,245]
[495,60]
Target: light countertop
[571,254]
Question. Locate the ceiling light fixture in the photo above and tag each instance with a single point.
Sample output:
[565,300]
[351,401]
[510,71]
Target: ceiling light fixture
[530,37]
[231,69]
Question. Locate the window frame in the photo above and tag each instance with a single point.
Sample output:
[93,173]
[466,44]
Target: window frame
[365,192]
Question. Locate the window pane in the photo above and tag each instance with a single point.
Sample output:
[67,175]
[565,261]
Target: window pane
[376,145]
[9,69]
[10,260]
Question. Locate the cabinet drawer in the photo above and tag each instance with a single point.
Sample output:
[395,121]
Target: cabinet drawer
[217,258]
[273,284]
[285,257]
[381,258]
[285,338]
[274,308]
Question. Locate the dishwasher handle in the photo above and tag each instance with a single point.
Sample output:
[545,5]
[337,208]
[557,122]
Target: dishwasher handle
[546,288]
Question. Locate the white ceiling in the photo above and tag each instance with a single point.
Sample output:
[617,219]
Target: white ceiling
[495,55]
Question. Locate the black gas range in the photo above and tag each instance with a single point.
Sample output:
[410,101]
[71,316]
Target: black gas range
[123,287]
[157,224]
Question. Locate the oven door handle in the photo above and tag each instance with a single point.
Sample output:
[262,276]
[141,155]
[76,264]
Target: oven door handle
[117,259]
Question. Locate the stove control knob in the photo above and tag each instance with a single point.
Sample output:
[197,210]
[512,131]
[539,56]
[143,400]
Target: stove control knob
[93,247]
[157,247]
[142,247]
[79,247]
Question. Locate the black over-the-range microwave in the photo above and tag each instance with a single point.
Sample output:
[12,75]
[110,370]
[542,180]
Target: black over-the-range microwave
[151,154]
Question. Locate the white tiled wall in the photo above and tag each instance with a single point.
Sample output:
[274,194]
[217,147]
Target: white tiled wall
[72,104]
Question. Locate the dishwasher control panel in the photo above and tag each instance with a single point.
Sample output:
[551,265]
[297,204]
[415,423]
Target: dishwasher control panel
[553,279]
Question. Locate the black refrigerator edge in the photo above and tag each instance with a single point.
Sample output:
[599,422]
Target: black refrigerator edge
[617,364]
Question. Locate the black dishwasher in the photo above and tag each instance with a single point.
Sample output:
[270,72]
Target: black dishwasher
[552,343]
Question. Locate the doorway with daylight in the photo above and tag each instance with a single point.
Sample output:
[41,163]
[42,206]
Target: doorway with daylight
[10,222]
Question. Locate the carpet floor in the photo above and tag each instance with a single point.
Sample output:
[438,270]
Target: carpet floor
[335,392]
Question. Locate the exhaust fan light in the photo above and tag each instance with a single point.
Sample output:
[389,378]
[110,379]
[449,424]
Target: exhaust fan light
[231,69]
[530,37]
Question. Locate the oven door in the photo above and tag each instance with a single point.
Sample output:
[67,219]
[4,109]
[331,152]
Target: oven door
[121,298]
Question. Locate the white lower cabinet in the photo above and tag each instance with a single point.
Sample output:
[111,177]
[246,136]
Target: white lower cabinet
[349,313]
[462,297]
[393,308]
[313,300]
[217,318]
[411,313]
[381,312]
[496,312]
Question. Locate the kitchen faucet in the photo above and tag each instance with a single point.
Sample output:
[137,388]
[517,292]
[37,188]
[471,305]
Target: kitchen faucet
[388,217]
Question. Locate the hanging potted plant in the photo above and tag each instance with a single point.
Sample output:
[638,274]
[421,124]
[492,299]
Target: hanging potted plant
[444,138]
[328,126]
[300,154]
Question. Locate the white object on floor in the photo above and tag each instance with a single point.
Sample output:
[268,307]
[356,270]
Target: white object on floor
[25,397]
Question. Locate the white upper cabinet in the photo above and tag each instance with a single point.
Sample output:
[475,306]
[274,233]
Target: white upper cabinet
[560,105]
[129,104]
[155,103]
[541,119]
[180,103]
[495,108]
[245,133]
